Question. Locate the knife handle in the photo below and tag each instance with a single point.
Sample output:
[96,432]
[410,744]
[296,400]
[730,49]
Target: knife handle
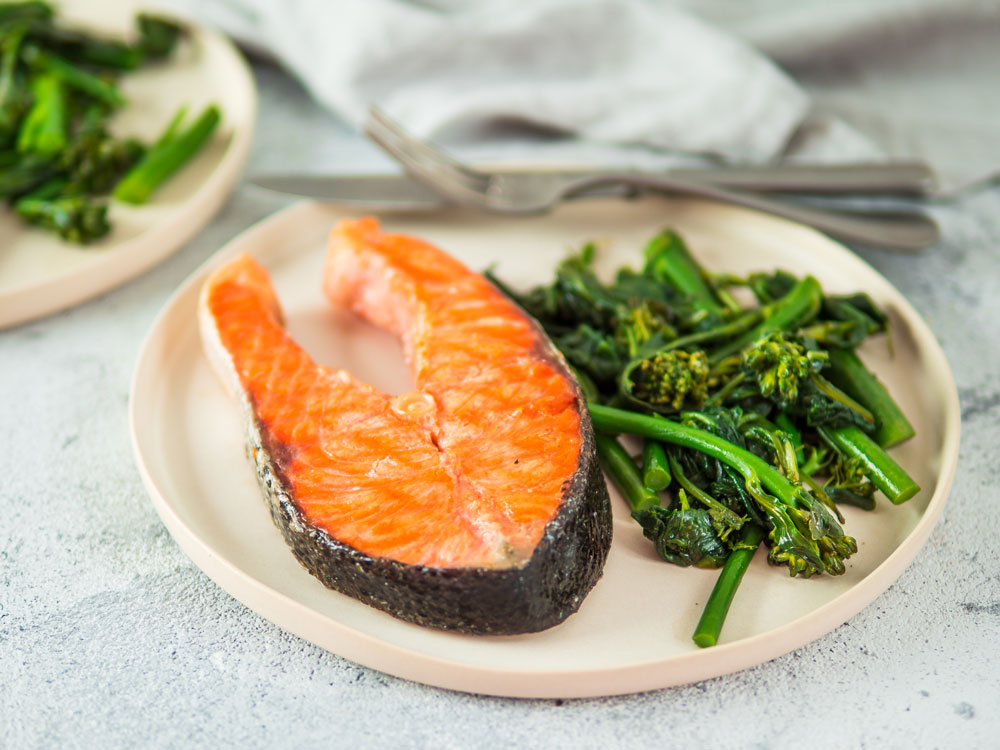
[905,178]
[898,230]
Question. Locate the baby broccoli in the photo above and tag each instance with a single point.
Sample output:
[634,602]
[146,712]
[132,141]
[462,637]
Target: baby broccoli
[74,218]
[44,128]
[157,36]
[778,363]
[803,535]
[642,326]
[667,381]
[681,534]
[756,420]
[58,87]
[23,173]
[95,161]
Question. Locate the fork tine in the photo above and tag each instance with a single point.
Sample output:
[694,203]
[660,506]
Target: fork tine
[402,150]
[432,171]
[444,184]
[425,151]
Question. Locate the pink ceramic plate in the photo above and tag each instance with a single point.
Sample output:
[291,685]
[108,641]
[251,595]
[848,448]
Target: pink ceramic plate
[633,632]
[40,274]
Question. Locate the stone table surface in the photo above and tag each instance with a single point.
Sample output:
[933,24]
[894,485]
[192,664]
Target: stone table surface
[111,637]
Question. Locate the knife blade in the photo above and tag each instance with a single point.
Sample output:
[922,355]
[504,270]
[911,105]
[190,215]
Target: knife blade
[399,191]
[372,190]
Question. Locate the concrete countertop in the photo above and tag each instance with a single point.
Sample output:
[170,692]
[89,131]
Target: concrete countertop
[111,637]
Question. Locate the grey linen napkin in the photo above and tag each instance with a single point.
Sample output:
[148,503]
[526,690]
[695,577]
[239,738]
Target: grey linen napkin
[857,78]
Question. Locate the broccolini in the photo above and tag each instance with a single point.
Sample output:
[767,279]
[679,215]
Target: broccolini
[58,90]
[755,420]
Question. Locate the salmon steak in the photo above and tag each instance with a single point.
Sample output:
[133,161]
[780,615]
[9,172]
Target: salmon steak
[472,503]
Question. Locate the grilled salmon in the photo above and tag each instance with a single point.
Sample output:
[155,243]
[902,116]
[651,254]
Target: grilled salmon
[473,502]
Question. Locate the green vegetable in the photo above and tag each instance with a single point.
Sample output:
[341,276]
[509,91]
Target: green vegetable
[850,373]
[667,380]
[717,607]
[681,535]
[619,464]
[58,88]
[754,418]
[76,219]
[668,260]
[157,36]
[797,307]
[24,173]
[43,129]
[804,535]
[779,364]
[165,158]
[85,49]
[655,466]
[878,465]
[73,76]
[26,11]
[14,95]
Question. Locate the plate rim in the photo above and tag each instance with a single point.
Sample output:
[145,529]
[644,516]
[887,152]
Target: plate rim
[123,262]
[370,651]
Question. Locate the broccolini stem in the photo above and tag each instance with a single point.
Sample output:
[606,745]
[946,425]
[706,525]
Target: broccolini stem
[48,190]
[83,48]
[43,129]
[26,11]
[618,420]
[787,313]
[734,327]
[75,218]
[879,466]
[725,391]
[24,176]
[73,76]
[725,297]
[848,372]
[173,128]
[668,260]
[10,47]
[805,535]
[165,158]
[786,425]
[717,606]
[655,466]
[731,518]
[619,464]
[832,392]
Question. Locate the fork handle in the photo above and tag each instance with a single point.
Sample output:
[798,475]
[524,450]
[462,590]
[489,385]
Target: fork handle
[900,231]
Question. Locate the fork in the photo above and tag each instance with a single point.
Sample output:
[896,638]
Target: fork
[532,193]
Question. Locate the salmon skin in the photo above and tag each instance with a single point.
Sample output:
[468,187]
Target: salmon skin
[474,502]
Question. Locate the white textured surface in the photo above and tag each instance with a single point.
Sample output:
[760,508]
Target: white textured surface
[110,637]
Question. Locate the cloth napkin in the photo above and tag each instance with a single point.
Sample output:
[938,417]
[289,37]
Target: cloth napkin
[741,80]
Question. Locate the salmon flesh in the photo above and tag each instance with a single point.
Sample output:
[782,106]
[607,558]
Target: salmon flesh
[473,502]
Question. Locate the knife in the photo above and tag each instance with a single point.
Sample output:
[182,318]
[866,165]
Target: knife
[398,191]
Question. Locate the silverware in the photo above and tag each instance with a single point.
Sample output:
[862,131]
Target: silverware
[526,193]
[902,179]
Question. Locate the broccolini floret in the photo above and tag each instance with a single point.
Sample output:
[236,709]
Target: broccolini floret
[778,364]
[642,325]
[95,161]
[683,535]
[668,381]
[75,218]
